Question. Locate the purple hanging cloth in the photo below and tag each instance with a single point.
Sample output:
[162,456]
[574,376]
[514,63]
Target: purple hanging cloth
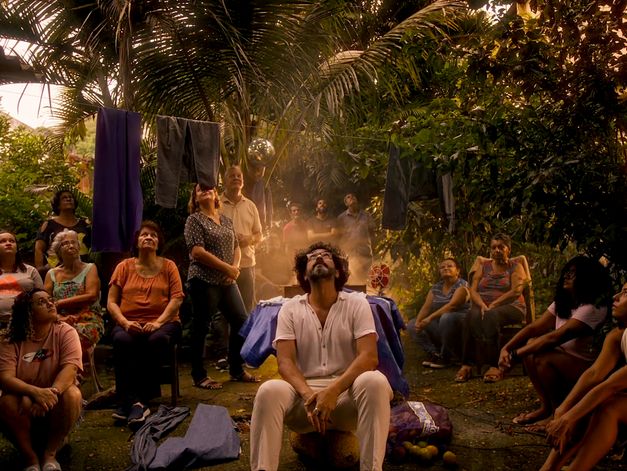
[118,201]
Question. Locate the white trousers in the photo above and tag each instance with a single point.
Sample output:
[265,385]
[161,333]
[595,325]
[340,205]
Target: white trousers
[364,408]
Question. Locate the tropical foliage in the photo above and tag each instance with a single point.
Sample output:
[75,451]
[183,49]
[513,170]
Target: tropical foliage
[29,173]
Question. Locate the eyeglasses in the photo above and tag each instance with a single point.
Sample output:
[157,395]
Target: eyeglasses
[43,302]
[323,254]
[572,273]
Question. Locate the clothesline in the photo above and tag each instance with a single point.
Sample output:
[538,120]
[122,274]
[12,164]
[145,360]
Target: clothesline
[250,126]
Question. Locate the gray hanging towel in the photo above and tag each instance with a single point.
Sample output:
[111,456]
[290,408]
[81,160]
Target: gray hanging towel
[210,439]
[187,151]
[157,425]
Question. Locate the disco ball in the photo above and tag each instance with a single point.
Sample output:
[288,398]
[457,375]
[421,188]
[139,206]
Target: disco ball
[260,152]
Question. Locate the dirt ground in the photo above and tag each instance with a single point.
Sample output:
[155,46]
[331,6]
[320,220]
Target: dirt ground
[483,438]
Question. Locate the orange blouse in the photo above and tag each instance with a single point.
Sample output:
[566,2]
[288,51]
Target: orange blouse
[145,298]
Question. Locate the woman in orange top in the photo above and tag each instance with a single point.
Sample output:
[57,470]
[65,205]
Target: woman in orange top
[145,293]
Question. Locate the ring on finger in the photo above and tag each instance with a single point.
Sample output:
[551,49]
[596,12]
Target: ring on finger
[316,411]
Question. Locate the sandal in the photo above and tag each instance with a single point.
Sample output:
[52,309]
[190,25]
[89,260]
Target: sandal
[464,374]
[493,375]
[208,383]
[245,377]
[52,465]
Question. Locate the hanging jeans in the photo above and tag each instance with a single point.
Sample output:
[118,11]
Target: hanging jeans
[188,151]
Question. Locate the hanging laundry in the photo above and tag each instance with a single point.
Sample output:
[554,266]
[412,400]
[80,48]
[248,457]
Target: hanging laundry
[118,202]
[187,151]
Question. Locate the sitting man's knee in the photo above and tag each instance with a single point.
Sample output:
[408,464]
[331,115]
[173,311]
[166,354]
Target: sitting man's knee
[270,389]
[372,381]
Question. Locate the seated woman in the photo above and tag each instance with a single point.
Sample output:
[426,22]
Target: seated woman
[75,288]
[441,317]
[39,360]
[64,210]
[585,426]
[558,347]
[496,294]
[15,276]
[145,293]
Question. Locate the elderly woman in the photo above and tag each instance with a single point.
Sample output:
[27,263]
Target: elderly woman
[64,210]
[75,288]
[497,300]
[585,426]
[558,347]
[145,293]
[39,360]
[15,276]
[214,267]
[441,317]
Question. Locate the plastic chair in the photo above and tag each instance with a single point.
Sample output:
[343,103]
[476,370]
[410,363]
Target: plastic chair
[508,331]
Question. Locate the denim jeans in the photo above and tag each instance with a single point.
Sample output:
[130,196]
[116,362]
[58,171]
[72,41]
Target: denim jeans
[443,336]
[206,300]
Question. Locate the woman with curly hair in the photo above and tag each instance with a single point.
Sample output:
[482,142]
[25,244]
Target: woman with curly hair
[559,346]
[39,361]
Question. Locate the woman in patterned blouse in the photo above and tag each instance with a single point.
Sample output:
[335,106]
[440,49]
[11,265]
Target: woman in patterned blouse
[214,267]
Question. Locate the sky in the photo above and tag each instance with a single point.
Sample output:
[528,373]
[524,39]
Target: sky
[33,108]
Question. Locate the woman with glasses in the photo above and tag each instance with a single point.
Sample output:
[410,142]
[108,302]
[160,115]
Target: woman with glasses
[39,360]
[75,287]
[559,346]
[214,267]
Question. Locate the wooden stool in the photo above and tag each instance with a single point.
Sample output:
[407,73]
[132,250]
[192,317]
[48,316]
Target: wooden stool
[337,449]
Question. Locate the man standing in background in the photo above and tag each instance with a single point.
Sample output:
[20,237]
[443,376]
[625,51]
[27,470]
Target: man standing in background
[243,212]
[356,231]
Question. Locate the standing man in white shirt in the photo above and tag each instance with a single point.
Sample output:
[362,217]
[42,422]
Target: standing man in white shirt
[247,225]
[326,346]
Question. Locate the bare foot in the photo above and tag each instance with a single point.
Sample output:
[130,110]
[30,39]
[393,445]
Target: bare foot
[527,418]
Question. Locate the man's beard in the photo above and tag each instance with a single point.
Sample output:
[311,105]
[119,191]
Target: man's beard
[321,271]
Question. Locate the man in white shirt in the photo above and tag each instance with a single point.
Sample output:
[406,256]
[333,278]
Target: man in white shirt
[247,225]
[326,346]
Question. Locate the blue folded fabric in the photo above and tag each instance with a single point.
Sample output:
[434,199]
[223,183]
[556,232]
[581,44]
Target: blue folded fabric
[210,439]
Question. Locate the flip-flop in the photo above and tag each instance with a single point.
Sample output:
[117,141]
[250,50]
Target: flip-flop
[245,377]
[208,383]
[51,465]
[463,374]
[493,375]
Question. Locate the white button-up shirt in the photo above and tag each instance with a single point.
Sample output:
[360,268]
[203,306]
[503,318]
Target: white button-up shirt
[329,350]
